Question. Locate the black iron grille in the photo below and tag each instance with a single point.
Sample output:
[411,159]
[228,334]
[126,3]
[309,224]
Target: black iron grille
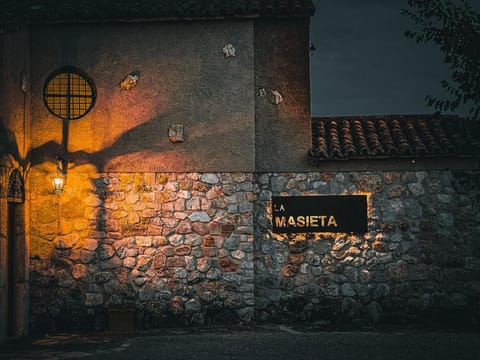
[69,93]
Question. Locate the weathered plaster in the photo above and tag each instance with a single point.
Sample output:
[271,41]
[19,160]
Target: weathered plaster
[184,78]
[282,128]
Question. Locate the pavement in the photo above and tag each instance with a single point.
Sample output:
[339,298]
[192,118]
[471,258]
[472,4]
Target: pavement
[279,342]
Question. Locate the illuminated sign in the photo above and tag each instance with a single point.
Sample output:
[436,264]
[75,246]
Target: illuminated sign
[331,213]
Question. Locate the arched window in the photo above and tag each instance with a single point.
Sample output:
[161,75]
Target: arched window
[16,188]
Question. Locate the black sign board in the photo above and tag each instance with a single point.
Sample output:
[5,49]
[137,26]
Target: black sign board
[329,213]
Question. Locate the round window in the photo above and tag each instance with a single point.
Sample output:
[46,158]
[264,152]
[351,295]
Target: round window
[69,93]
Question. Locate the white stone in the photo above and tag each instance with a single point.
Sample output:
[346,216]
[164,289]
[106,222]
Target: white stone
[133,218]
[238,254]
[175,133]
[193,305]
[132,198]
[176,239]
[304,268]
[191,262]
[229,50]
[348,290]
[180,215]
[214,274]
[193,239]
[93,299]
[143,241]
[184,194]
[444,198]
[90,244]
[193,204]
[172,186]
[93,201]
[209,178]
[200,216]
[416,189]
[180,273]
[129,262]
[170,222]
[275,97]
[129,82]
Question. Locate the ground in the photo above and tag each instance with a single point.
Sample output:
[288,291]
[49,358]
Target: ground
[270,342]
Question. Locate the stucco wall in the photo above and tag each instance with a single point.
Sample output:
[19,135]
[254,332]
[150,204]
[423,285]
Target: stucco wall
[282,131]
[184,78]
[196,248]
[14,86]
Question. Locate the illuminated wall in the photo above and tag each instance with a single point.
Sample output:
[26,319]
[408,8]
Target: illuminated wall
[175,247]
[197,248]
[184,79]
[418,263]
[14,145]
[163,227]
[180,232]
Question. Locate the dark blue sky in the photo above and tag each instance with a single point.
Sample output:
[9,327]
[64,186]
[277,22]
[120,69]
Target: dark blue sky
[363,64]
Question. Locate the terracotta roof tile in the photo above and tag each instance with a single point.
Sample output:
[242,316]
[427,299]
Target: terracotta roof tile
[392,136]
[15,12]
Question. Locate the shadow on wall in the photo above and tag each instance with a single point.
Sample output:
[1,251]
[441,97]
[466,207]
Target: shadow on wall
[51,223]
[9,146]
[128,143]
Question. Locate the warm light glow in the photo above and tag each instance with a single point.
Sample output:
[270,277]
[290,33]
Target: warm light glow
[58,181]
[324,219]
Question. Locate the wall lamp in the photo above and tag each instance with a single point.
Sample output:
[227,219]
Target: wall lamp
[58,179]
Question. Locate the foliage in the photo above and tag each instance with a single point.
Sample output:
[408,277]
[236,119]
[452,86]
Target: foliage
[454,26]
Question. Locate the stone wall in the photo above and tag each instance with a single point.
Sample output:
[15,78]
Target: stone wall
[177,248]
[196,248]
[419,261]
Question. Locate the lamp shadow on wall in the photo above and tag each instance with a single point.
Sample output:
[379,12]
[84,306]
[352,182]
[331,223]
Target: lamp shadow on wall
[9,146]
[132,143]
[59,251]
[126,144]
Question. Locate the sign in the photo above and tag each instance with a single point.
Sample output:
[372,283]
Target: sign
[331,213]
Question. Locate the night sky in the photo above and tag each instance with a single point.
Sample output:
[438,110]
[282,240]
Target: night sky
[364,65]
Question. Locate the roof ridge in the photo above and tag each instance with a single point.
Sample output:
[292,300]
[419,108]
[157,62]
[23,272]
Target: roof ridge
[16,13]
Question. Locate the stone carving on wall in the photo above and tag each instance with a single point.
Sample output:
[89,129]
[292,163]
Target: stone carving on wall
[273,96]
[175,133]
[129,82]
[229,50]
[16,188]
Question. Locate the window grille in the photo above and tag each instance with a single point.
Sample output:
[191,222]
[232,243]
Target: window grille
[69,93]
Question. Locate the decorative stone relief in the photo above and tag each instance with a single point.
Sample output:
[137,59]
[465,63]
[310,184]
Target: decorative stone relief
[129,82]
[175,133]
[229,50]
[273,96]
